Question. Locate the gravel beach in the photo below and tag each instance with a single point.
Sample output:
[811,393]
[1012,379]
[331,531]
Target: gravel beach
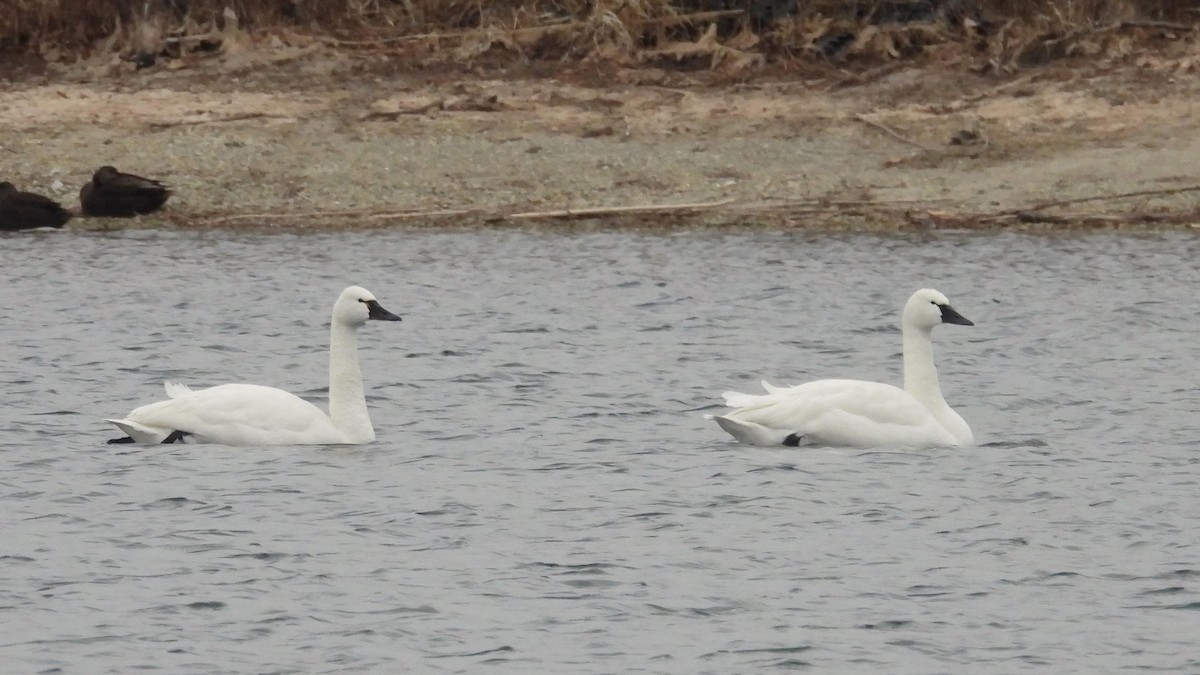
[319,138]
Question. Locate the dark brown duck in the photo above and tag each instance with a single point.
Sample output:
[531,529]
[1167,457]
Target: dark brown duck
[121,195]
[26,210]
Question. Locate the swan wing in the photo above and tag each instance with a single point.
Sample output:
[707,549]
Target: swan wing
[176,389]
[849,413]
[772,389]
[232,414]
[736,399]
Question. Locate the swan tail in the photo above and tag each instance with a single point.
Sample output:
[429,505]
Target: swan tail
[736,399]
[751,433]
[140,433]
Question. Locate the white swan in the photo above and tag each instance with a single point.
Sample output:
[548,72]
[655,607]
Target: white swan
[856,413]
[250,414]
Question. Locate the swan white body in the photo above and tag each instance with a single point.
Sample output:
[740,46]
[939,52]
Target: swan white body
[251,414]
[858,413]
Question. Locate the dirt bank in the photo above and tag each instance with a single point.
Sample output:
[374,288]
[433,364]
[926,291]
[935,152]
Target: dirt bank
[312,137]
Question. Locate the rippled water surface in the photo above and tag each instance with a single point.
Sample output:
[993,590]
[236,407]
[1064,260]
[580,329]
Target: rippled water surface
[545,495]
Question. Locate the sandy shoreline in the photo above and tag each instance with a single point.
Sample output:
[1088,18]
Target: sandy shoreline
[322,140]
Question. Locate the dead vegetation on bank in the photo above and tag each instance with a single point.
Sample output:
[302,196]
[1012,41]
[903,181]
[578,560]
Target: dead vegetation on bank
[863,215]
[949,135]
[731,35]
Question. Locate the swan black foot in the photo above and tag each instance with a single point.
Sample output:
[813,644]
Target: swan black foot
[174,437]
[793,440]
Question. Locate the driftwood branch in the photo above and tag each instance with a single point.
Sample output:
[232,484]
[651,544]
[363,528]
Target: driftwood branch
[890,132]
[370,214]
[237,117]
[1164,25]
[393,115]
[1119,195]
[528,31]
[593,211]
[1119,25]
[734,208]
[1027,211]
[475,104]
[964,102]
[413,214]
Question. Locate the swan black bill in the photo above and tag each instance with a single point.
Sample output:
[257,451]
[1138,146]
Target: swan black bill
[377,312]
[951,315]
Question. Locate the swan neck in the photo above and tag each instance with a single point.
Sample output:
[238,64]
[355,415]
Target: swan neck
[921,380]
[920,375]
[347,401]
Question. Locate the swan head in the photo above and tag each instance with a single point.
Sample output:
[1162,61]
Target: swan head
[105,174]
[356,305]
[928,308]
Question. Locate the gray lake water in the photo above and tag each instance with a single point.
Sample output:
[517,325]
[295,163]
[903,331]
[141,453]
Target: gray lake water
[545,495]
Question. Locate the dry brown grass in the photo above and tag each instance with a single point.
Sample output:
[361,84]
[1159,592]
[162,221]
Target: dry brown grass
[997,34]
